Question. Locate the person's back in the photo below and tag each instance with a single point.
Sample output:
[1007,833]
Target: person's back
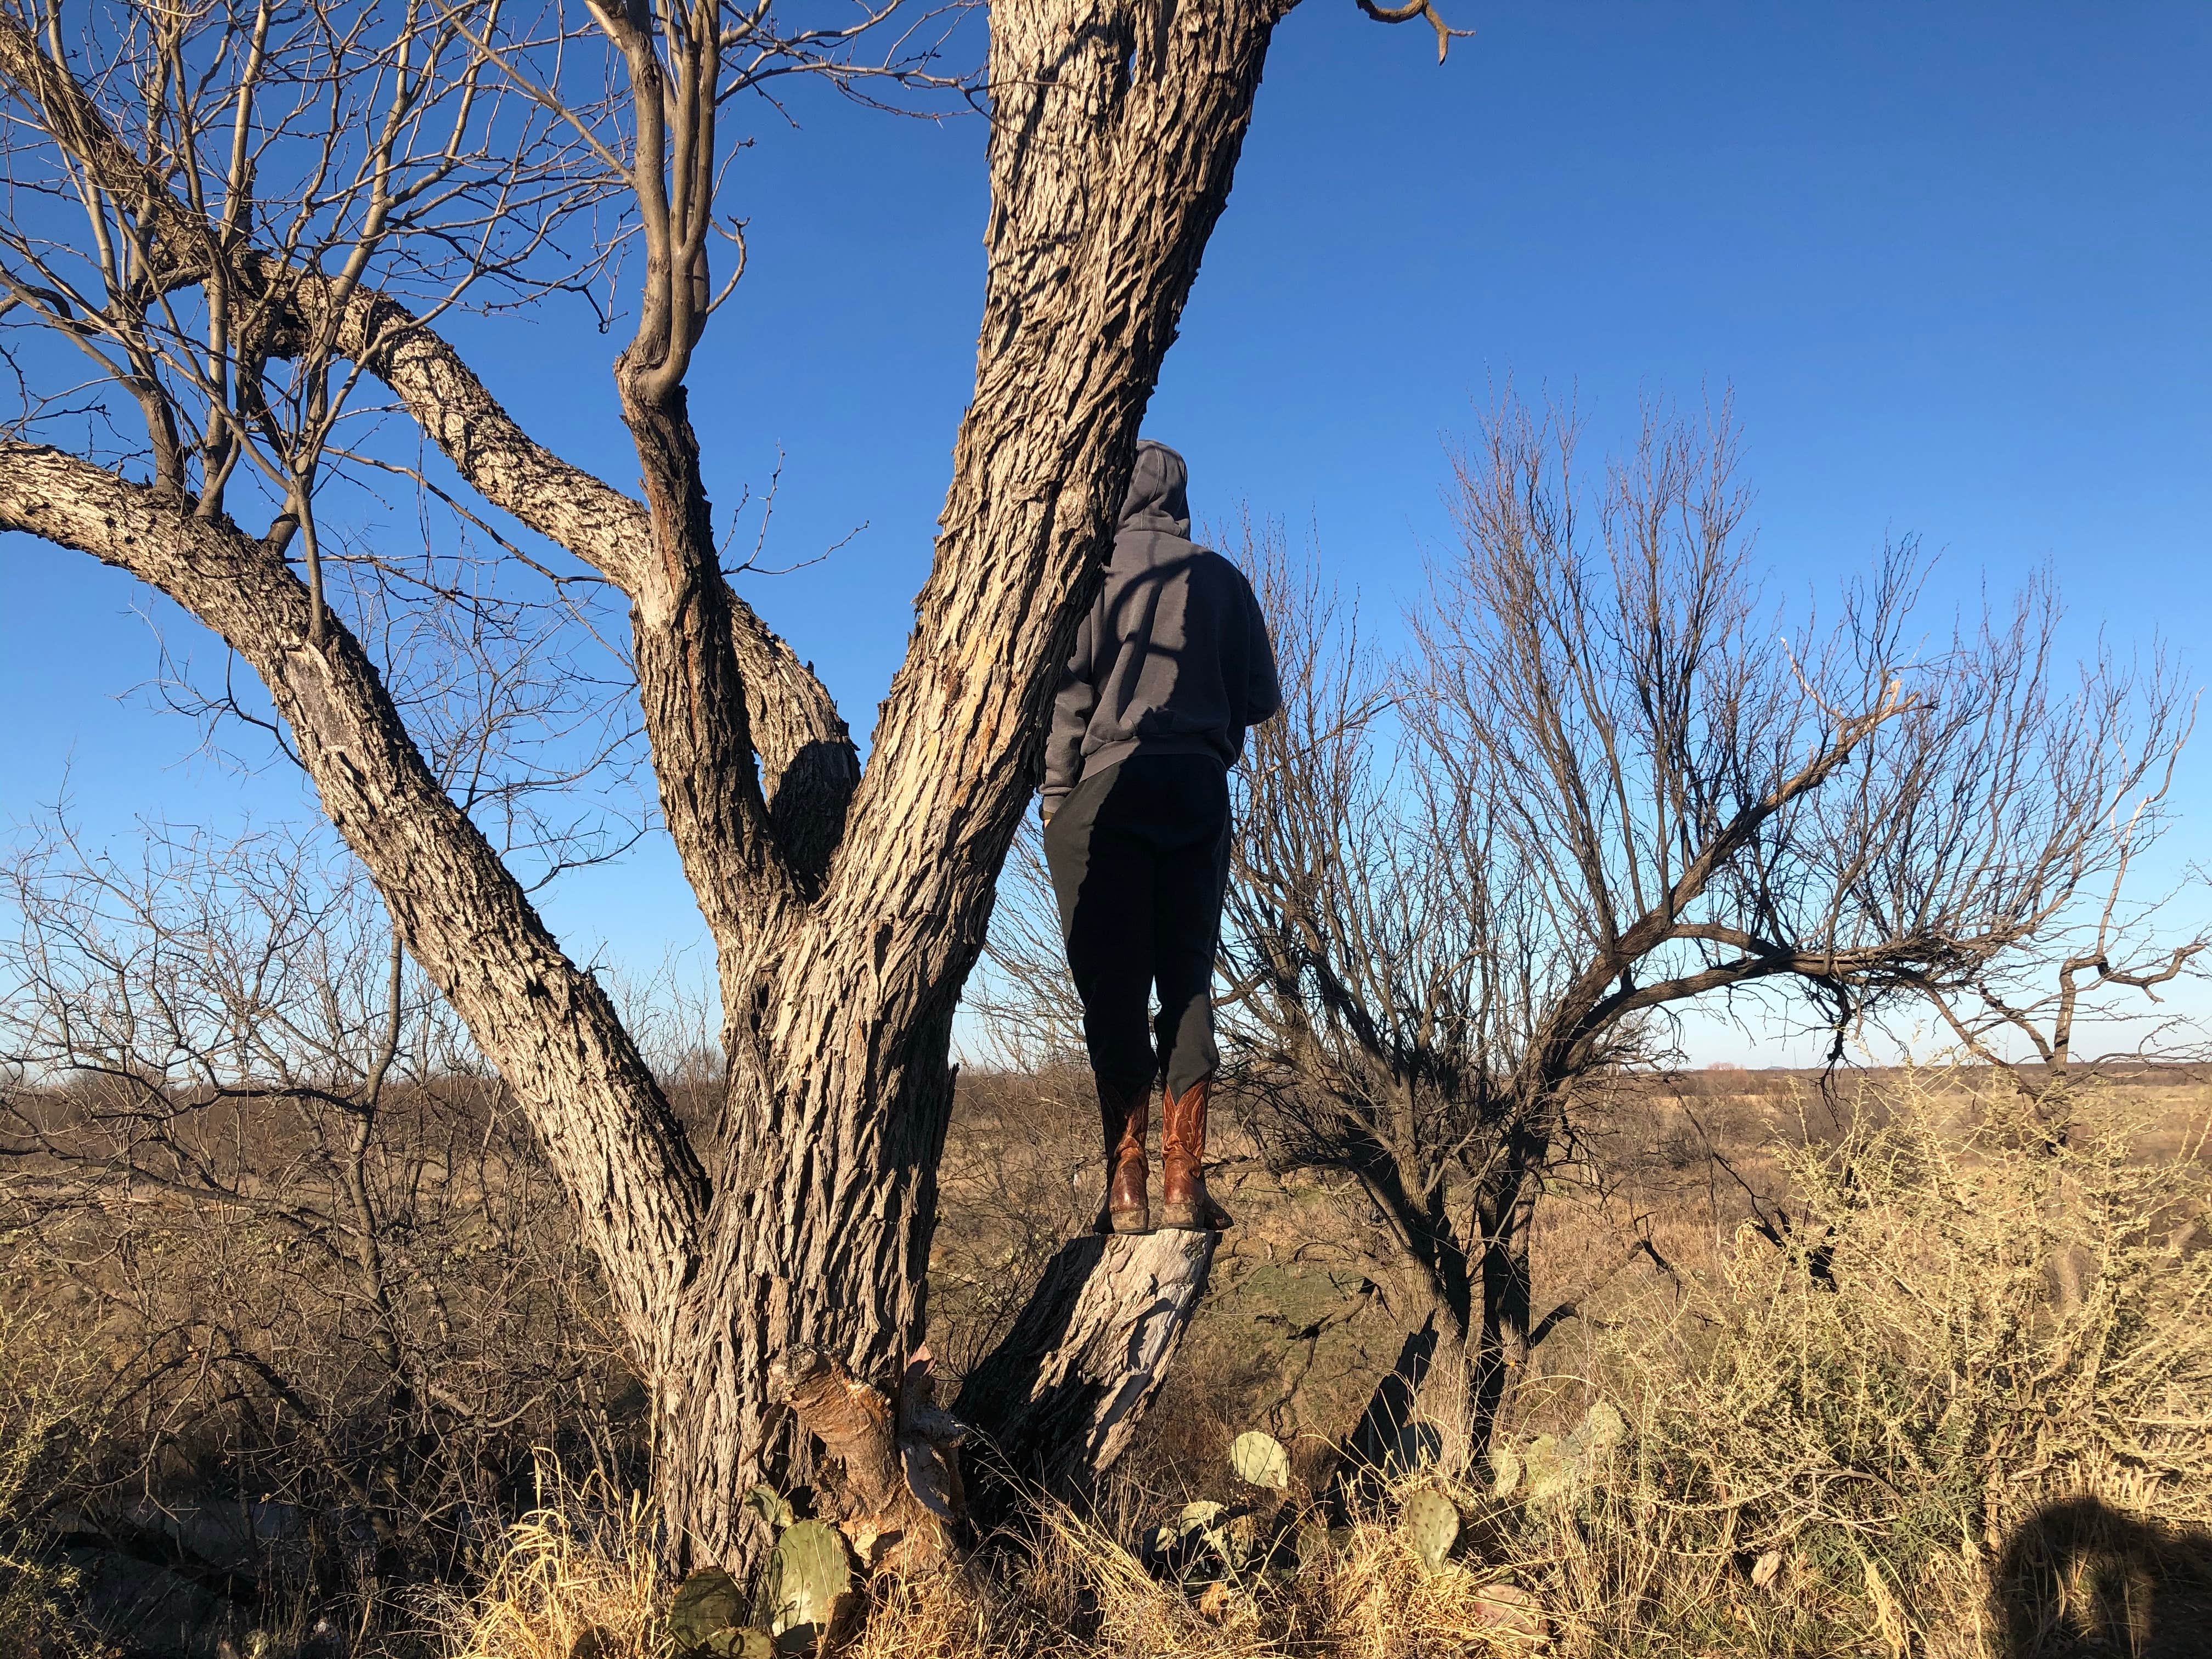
[1173,656]
[1170,667]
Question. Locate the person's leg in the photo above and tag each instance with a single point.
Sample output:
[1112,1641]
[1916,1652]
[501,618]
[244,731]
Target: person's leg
[1102,877]
[1193,871]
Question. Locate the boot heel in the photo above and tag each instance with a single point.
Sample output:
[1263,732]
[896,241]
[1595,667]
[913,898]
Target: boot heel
[1195,1218]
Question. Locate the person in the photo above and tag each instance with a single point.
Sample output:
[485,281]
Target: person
[1170,666]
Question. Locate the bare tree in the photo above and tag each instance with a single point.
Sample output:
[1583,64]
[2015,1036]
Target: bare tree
[251,222]
[2024,1014]
[1609,783]
[249,1148]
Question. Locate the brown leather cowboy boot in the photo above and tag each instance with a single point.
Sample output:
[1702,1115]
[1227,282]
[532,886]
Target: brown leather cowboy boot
[1126,1115]
[1184,1201]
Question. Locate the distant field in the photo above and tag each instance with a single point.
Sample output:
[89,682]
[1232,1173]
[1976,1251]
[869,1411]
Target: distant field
[1294,1333]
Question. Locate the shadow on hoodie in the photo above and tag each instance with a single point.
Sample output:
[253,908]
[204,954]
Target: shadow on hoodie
[1173,657]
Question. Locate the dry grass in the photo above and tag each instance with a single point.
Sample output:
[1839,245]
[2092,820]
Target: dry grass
[48,1425]
[1073,1589]
[582,1561]
[1965,1414]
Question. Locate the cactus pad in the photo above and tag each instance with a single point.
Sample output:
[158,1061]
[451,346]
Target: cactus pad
[807,1578]
[1431,1523]
[706,1603]
[742,1642]
[772,1506]
[1198,1516]
[1602,1430]
[1505,1471]
[1261,1460]
[1551,1467]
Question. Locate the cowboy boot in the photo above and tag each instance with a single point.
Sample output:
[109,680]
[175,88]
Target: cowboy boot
[1126,1115]
[1185,1203]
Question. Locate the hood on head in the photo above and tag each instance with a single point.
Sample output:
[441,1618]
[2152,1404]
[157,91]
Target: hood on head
[1159,498]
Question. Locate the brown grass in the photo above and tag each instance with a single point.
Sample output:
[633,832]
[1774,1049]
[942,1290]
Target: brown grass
[581,1562]
[1965,1413]
[45,1378]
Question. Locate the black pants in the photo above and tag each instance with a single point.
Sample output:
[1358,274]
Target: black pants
[1139,857]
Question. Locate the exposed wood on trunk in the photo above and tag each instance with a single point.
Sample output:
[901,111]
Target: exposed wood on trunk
[903,1504]
[1060,1396]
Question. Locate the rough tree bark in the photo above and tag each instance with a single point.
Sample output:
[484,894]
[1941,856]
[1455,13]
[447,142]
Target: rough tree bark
[1115,129]
[847,910]
[1064,1391]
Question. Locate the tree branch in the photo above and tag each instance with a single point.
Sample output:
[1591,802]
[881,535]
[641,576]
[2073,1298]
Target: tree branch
[545,1023]
[809,766]
[1413,9]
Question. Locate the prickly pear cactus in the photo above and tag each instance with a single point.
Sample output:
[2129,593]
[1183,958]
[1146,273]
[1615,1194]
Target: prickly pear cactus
[771,1506]
[742,1642]
[1207,1538]
[707,1603]
[1261,1460]
[1431,1523]
[1551,1467]
[1196,1518]
[1602,1430]
[1312,1543]
[1244,1540]
[1504,1470]
[807,1578]
[1203,1521]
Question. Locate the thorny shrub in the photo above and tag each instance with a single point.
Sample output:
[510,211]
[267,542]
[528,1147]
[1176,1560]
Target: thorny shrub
[1841,1446]
[1965,1327]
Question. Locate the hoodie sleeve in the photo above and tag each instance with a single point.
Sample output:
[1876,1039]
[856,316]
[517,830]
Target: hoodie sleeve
[1070,719]
[1263,692]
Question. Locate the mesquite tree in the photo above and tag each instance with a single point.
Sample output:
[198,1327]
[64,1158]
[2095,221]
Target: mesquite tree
[1473,887]
[254,221]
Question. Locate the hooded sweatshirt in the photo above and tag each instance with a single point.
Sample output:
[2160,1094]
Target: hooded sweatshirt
[1173,657]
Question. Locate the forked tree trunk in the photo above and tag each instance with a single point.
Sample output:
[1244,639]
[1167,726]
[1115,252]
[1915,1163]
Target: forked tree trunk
[1115,129]
[845,918]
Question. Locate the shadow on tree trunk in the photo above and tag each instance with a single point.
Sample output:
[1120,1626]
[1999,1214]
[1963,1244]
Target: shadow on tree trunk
[1391,1436]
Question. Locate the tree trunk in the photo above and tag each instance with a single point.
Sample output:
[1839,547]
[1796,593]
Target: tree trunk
[1506,1215]
[1419,1413]
[1060,1398]
[1116,131]
[1116,127]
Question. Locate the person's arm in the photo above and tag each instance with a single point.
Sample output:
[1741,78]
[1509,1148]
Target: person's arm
[1263,692]
[1070,719]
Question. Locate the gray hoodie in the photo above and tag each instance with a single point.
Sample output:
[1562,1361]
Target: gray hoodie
[1173,657]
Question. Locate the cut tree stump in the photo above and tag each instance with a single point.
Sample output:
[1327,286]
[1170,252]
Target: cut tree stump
[898,1497]
[1059,1397]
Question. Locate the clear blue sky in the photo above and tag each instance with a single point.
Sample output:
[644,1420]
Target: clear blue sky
[1953,260]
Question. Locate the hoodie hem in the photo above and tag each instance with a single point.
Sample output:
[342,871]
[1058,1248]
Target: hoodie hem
[1195,743]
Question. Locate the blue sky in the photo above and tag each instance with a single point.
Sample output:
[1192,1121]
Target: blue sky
[1954,262]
